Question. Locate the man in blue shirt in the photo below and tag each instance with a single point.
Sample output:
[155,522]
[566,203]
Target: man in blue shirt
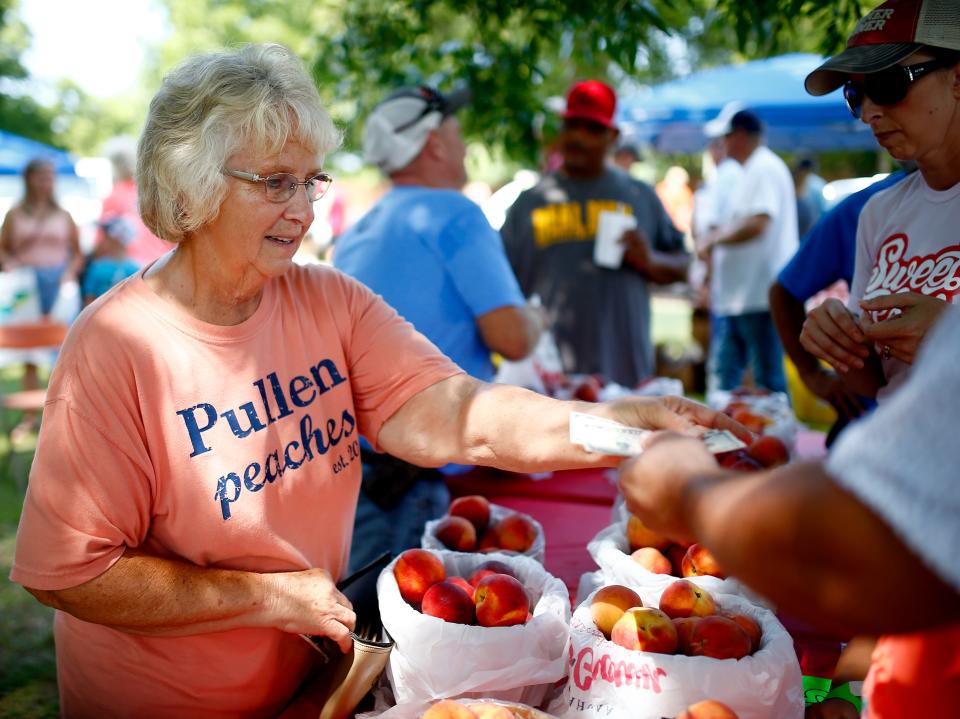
[826,254]
[431,254]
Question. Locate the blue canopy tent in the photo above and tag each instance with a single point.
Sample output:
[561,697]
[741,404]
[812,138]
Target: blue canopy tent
[16,152]
[670,116]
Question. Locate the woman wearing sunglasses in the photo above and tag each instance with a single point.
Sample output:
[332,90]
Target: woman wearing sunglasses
[900,75]
[192,498]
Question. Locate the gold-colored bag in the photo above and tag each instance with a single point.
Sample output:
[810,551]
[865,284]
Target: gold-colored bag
[347,678]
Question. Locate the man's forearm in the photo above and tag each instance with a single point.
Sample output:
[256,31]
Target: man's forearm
[148,595]
[788,315]
[743,231]
[667,267]
[818,553]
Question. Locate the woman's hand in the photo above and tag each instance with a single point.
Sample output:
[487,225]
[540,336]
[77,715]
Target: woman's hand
[655,483]
[672,413]
[900,336]
[832,333]
[308,602]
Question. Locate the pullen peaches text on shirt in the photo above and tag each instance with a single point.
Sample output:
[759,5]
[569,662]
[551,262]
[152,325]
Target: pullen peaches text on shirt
[301,391]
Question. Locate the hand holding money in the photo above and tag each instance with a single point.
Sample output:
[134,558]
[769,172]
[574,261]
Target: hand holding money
[604,436]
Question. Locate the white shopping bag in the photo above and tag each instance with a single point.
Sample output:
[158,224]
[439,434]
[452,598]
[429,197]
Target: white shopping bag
[19,297]
[497,512]
[68,303]
[611,551]
[434,659]
[610,681]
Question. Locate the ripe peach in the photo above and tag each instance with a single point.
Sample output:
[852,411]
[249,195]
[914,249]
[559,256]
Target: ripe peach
[769,451]
[516,533]
[501,601]
[645,629]
[463,584]
[609,604]
[588,389]
[675,553]
[448,710]
[638,535]
[720,638]
[416,571]
[488,541]
[749,625]
[488,568]
[490,711]
[699,561]
[652,560]
[685,599]
[447,601]
[684,627]
[475,508]
[752,421]
[457,534]
[708,709]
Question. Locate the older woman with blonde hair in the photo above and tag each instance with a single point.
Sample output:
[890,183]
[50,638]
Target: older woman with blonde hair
[191,501]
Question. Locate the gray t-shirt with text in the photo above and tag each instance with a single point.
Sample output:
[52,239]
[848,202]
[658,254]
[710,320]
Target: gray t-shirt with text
[600,317]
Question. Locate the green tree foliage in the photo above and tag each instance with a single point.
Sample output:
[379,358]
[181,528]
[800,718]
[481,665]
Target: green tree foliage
[19,113]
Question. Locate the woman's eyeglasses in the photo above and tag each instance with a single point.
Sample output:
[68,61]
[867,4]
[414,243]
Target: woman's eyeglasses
[887,87]
[282,186]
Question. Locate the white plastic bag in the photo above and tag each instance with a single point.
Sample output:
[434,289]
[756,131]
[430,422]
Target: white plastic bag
[497,512]
[19,297]
[416,710]
[68,303]
[776,406]
[434,659]
[609,681]
[611,551]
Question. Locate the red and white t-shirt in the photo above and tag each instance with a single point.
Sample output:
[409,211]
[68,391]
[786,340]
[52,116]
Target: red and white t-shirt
[908,240]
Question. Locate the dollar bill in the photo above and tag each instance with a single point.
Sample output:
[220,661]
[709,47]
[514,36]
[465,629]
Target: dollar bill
[604,436]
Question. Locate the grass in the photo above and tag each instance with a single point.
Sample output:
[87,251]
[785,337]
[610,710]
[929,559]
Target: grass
[28,675]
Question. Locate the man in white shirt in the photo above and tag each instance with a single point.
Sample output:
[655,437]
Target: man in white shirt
[746,253]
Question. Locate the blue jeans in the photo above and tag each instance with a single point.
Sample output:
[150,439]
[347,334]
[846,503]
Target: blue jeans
[750,337]
[376,530]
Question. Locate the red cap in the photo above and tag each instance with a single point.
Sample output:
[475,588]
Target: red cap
[591,100]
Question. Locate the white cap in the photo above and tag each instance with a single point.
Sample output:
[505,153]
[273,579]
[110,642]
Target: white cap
[398,127]
[720,125]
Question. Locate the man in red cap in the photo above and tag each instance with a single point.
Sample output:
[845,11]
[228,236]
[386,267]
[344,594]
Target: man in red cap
[598,304]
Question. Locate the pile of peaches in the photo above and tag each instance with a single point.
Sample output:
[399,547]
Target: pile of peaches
[662,556]
[688,621]
[466,528]
[491,597]
[448,709]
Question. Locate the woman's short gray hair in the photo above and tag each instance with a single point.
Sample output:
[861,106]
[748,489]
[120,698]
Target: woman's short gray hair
[206,110]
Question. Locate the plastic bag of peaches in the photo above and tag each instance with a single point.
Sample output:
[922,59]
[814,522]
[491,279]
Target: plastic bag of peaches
[628,553]
[653,654]
[474,625]
[473,524]
[460,709]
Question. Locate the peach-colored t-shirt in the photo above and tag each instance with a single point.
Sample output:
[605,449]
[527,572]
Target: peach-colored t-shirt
[230,447]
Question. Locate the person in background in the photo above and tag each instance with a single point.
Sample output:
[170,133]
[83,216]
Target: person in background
[900,75]
[746,253]
[600,316]
[863,543]
[677,197]
[37,233]
[122,202]
[807,212]
[626,156]
[111,264]
[431,254]
[825,257]
[191,502]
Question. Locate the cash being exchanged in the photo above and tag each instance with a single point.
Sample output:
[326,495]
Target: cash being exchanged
[604,436]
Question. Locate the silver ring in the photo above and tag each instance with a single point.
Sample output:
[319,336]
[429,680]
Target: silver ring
[885,352]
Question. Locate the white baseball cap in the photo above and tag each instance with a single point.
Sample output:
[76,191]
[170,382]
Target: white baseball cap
[397,129]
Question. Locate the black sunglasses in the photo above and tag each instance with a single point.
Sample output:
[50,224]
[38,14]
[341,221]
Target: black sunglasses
[435,103]
[886,87]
